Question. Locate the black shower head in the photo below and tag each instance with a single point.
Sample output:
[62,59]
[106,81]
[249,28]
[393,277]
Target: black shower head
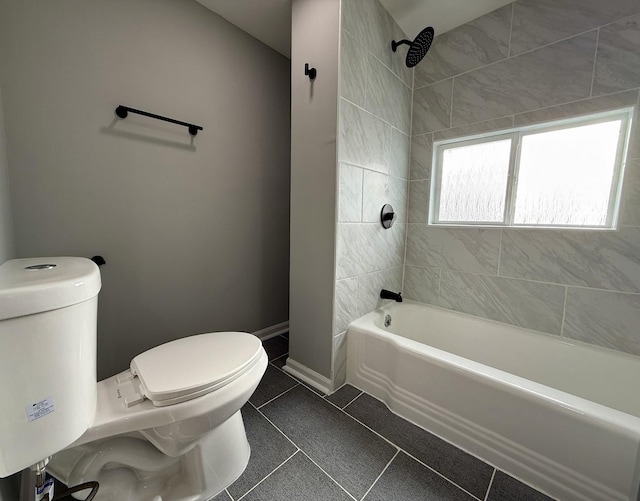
[418,48]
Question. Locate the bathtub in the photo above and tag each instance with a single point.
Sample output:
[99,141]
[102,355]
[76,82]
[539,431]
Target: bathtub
[561,415]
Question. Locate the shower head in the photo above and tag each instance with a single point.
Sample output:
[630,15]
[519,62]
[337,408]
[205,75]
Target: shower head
[418,48]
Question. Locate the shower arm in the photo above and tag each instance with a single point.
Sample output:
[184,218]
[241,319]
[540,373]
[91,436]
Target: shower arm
[394,44]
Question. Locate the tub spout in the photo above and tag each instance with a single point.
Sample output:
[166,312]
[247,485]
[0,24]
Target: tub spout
[396,296]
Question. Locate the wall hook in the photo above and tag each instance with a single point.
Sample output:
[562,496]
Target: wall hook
[310,72]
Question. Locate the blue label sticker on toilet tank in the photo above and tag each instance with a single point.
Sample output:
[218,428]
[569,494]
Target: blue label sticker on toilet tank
[39,409]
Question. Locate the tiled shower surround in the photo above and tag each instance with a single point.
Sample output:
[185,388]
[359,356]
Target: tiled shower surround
[373,165]
[531,61]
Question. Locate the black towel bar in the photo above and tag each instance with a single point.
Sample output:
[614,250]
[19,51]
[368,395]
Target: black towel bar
[123,111]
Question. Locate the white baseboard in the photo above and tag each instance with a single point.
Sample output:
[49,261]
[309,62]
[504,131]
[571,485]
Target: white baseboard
[311,377]
[273,331]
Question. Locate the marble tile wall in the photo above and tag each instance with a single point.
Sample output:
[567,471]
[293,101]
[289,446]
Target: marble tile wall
[376,91]
[529,62]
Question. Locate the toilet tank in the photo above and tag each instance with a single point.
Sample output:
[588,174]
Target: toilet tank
[48,309]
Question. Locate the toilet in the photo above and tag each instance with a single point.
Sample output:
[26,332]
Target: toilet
[169,428]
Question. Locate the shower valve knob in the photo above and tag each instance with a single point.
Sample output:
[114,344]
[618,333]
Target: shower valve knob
[387,216]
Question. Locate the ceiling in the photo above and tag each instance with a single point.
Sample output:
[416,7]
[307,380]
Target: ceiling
[270,20]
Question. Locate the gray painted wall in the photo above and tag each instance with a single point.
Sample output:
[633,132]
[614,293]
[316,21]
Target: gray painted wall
[373,165]
[6,226]
[530,62]
[315,36]
[195,232]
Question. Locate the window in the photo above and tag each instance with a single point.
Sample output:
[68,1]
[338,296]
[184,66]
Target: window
[564,174]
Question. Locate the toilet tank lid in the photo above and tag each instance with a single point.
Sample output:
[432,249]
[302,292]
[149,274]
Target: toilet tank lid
[36,285]
[194,365]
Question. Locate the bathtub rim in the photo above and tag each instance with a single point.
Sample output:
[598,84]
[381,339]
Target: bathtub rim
[548,473]
[498,377]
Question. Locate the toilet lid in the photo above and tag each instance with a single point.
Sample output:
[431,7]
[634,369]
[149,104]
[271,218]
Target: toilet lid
[192,366]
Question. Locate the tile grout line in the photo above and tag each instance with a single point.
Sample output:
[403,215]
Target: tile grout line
[564,311]
[352,400]
[381,473]
[368,272]
[357,295]
[399,449]
[528,111]
[371,430]
[411,455]
[277,396]
[508,277]
[303,452]
[337,406]
[408,194]
[342,410]
[332,479]
[375,116]
[375,433]
[500,251]
[369,169]
[453,81]
[276,469]
[425,464]
[363,46]
[493,475]
[281,432]
[595,60]
[278,358]
[362,169]
[524,52]
[513,9]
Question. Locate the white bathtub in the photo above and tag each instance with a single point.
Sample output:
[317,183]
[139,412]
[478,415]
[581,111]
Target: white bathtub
[561,415]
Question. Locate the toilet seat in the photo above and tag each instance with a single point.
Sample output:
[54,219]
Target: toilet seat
[188,368]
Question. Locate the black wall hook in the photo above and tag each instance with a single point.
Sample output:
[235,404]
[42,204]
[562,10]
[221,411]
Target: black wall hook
[310,72]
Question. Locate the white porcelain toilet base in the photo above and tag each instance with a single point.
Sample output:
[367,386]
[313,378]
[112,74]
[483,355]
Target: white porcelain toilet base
[130,468]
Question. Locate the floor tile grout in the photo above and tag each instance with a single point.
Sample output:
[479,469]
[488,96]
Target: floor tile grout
[298,449]
[278,395]
[382,437]
[415,458]
[354,399]
[381,473]
[278,358]
[493,475]
[276,469]
[342,409]
[333,479]
[272,424]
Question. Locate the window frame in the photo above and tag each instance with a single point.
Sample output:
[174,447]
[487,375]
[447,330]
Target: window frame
[516,134]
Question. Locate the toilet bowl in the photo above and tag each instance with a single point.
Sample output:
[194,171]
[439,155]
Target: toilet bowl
[167,429]
[170,427]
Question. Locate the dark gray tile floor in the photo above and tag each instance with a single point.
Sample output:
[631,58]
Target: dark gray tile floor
[348,446]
